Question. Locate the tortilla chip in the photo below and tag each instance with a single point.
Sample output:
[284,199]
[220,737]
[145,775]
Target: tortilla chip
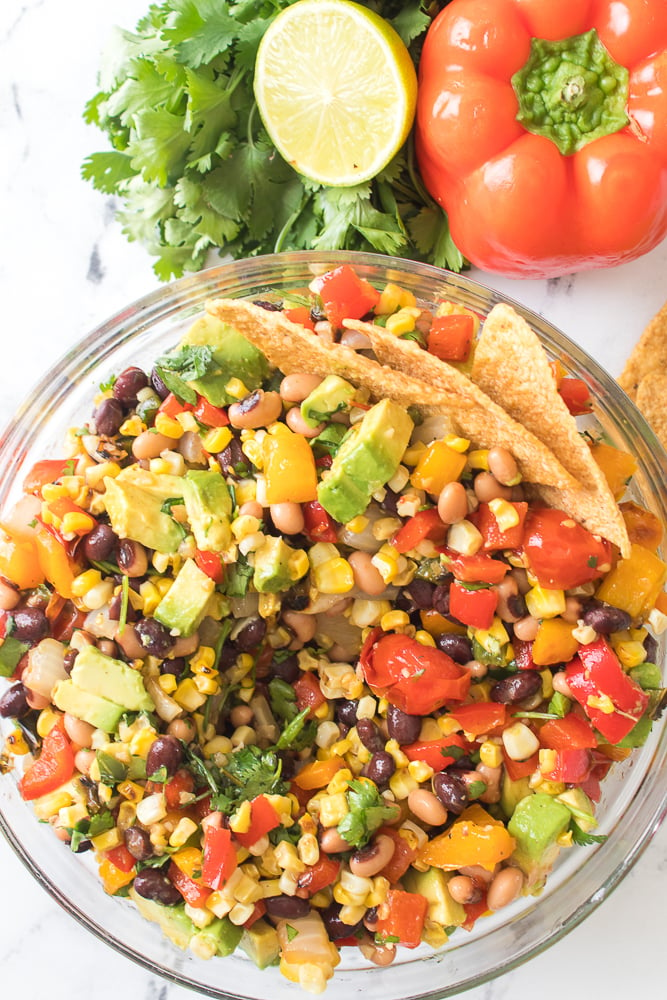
[291,348]
[511,365]
[648,355]
[652,402]
[479,418]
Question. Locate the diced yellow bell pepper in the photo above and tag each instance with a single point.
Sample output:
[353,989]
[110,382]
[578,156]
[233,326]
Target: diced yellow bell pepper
[19,562]
[438,465]
[554,642]
[289,469]
[437,624]
[113,878]
[635,583]
[58,568]
[644,527]
[476,838]
[618,466]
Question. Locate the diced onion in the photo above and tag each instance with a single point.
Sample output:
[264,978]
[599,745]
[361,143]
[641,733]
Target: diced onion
[46,666]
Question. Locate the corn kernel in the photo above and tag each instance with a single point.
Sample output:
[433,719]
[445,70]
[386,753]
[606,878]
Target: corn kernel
[394,620]
[519,741]
[141,742]
[420,770]
[505,513]
[402,783]
[392,747]
[240,820]
[50,805]
[394,297]
[465,538]
[584,634]
[16,744]
[340,781]
[602,703]
[448,725]
[75,523]
[424,638]
[107,841]
[188,696]
[631,654]
[46,720]
[308,849]
[219,744]
[402,321]
[547,760]
[219,904]
[168,426]
[168,683]
[236,388]
[132,427]
[386,563]
[335,576]
[184,830]
[490,754]
[333,809]
[131,791]
[367,613]
[479,459]
[543,603]
[97,473]
[85,581]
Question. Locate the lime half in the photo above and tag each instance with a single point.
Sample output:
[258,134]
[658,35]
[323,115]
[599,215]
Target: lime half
[336,89]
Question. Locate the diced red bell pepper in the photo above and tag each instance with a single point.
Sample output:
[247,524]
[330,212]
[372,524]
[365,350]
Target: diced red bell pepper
[475,608]
[300,315]
[171,406]
[523,655]
[219,861]
[47,471]
[569,733]
[308,693]
[258,911]
[495,538]
[318,876]
[574,393]
[434,752]
[481,717]
[477,568]
[210,415]
[404,918]
[318,525]
[424,524]
[344,295]
[53,767]
[517,769]
[263,819]
[403,856]
[473,912]
[210,563]
[610,698]
[181,784]
[450,336]
[571,766]
[192,891]
[121,858]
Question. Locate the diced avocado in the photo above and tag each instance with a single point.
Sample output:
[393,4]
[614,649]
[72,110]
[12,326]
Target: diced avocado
[367,458]
[536,824]
[272,566]
[98,712]
[432,884]
[235,356]
[173,920]
[136,513]
[220,937]
[512,792]
[580,806]
[647,675]
[331,395]
[184,605]
[260,943]
[208,506]
[112,679]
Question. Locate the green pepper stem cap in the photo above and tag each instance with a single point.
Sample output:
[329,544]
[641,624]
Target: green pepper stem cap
[571,91]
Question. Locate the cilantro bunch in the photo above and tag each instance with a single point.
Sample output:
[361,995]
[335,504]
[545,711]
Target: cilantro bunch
[193,168]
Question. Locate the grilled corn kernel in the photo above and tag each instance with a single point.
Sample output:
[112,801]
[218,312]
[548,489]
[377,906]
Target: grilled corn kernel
[394,620]
[631,654]
[184,830]
[505,513]
[490,754]
[141,742]
[333,809]
[392,747]
[107,841]
[519,741]
[402,321]
[16,744]
[584,634]
[366,613]
[131,791]
[132,427]
[203,661]
[386,562]
[543,603]
[465,538]
[152,809]
[308,849]
[168,426]
[340,780]
[50,805]
[85,581]
[335,576]
[188,696]
[168,683]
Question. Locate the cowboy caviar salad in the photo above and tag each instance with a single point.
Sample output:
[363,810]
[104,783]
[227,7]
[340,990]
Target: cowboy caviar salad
[305,660]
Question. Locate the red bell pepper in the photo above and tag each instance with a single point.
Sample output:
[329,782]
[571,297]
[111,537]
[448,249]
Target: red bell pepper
[610,698]
[523,655]
[560,552]
[417,679]
[541,129]
[574,393]
[47,471]
[450,336]
[475,608]
[209,415]
[171,406]
[434,752]
[192,891]
[404,919]
[318,876]
[211,563]
[263,819]
[517,769]
[344,295]
[474,911]
[121,858]
[182,784]
[569,733]
[494,537]
[300,315]
[403,856]
[477,568]
[481,717]
[318,525]
[308,693]
[219,861]
[570,766]
[53,767]
[258,911]
[424,524]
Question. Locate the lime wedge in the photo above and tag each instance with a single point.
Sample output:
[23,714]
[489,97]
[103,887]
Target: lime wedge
[336,89]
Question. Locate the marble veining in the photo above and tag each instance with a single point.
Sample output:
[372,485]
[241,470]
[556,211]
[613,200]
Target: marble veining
[65,267]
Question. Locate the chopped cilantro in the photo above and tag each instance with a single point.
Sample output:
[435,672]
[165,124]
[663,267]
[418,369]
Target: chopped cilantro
[87,828]
[238,577]
[109,384]
[249,772]
[11,652]
[585,839]
[367,812]
[183,366]
[292,932]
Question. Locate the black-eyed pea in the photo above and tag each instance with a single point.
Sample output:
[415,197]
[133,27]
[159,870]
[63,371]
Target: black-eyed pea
[487,488]
[526,628]
[427,807]
[295,388]
[464,889]
[296,423]
[80,732]
[303,626]
[150,444]
[259,409]
[368,861]
[287,517]
[505,888]
[503,466]
[560,684]
[241,715]
[182,729]
[331,841]
[366,576]
[453,503]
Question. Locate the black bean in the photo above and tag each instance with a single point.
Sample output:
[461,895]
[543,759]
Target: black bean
[268,306]
[380,767]
[30,624]
[164,752]
[516,605]
[390,502]
[458,647]
[232,460]
[606,619]
[228,655]
[651,647]
[154,637]
[158,384]
[345,711]
[132,557]
[441,599]
[115,606]
[334,926]
[128,384]
[421,592]
[515,688]
[175,666]
[14,702]
[154,883]
[451,791]
[251,635]
[108,417]
[402,727]
[98,545]
[138,843]
[286,907]
[287,670]
[369,735]
[69,660]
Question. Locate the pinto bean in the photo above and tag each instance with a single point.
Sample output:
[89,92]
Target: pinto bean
[368,861]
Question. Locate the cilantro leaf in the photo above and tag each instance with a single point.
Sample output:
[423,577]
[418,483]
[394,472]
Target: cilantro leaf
[585,839]
[11,652]
[249,772]
[367,812]
[183,366]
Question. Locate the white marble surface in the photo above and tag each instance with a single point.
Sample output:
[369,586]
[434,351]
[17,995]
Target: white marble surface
[64,268]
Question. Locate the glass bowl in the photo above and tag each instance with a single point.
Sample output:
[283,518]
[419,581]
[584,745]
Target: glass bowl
[634,797]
